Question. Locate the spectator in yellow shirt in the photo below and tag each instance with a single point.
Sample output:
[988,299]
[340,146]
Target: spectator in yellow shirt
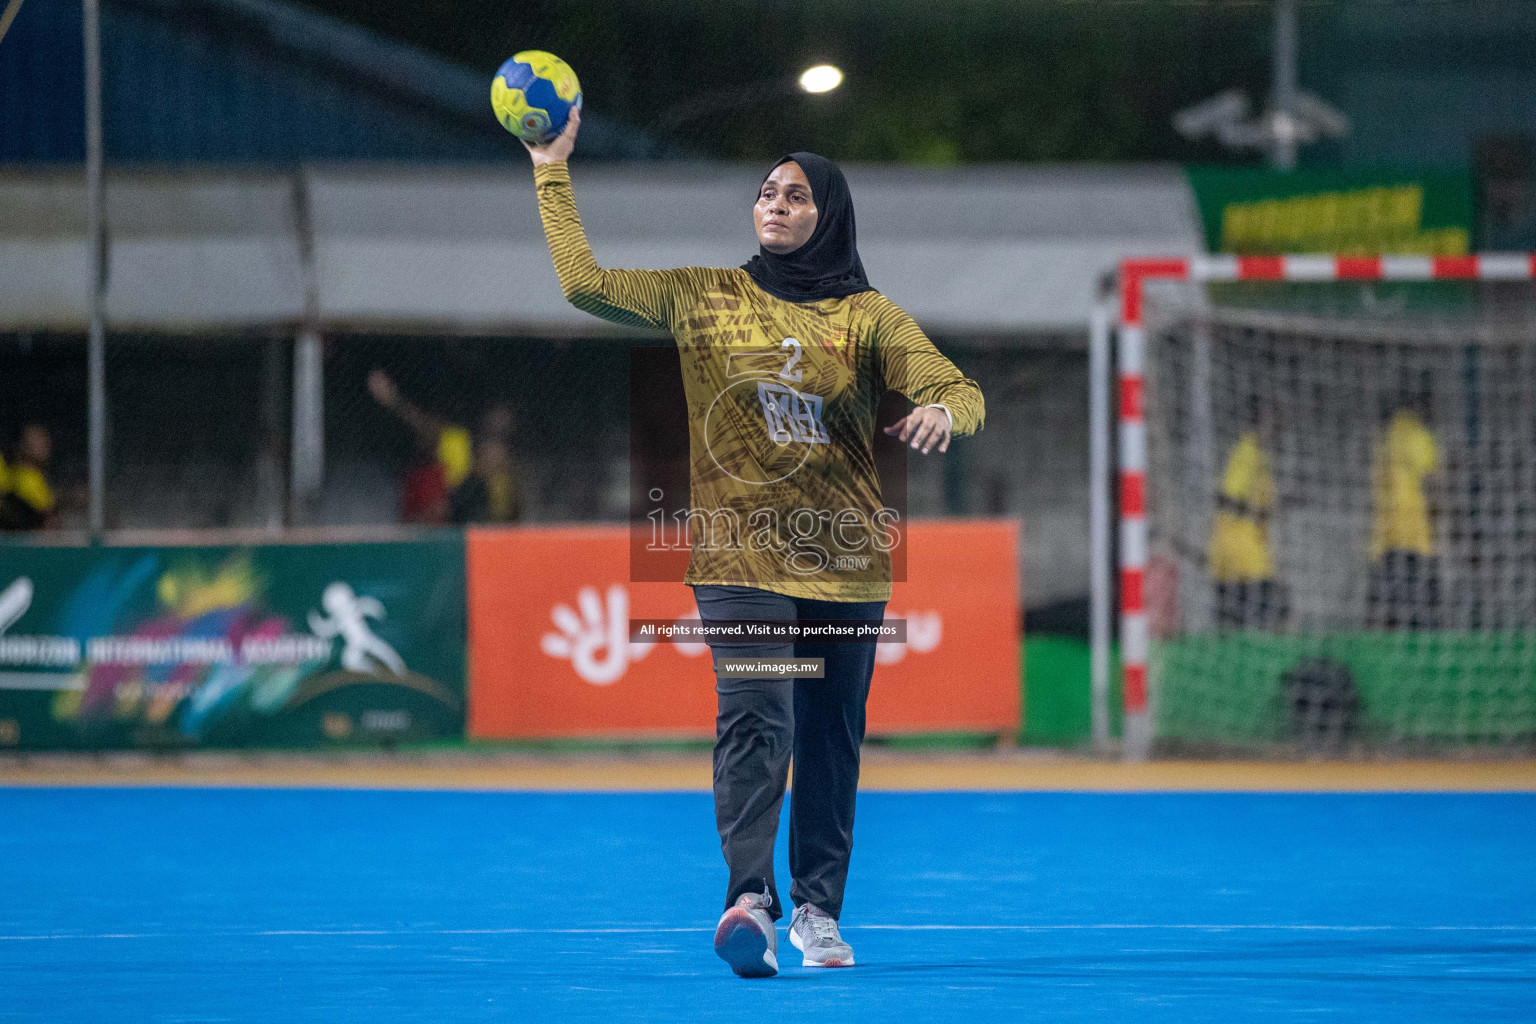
[1404,587]
[490,492]
[1241,563]
[26,497]
[457,478]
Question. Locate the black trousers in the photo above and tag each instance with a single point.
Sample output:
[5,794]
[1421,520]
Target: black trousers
[1404,591]
[764,723]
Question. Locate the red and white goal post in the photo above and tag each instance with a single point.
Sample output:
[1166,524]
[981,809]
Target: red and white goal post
[1323,365]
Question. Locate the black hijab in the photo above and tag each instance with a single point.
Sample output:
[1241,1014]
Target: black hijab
[827,266]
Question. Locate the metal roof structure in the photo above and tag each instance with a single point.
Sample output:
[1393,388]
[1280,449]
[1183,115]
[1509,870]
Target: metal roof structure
[416,248]
[250,82]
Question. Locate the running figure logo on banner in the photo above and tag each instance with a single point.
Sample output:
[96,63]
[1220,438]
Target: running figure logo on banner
[347,615]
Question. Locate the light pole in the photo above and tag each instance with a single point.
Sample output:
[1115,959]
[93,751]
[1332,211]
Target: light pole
[1282,87]
[95,218]
[1294,117]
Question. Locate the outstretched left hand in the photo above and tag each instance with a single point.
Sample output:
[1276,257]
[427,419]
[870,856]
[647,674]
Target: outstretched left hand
[925,427]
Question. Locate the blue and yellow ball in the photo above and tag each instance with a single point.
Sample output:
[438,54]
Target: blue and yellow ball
[533,94]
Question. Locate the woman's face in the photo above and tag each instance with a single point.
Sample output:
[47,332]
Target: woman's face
[785,214]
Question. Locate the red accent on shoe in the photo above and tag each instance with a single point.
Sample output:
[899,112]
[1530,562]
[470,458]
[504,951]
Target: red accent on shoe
[732,918]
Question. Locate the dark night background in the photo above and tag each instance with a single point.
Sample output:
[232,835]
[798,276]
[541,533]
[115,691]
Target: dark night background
[1424,82]
[976,80]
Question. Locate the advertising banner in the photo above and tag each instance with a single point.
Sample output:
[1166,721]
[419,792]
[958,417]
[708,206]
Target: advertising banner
[1260,212]
[551,654]
[226,646]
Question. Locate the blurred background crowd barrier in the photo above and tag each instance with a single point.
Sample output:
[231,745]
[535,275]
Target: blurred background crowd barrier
[505,633]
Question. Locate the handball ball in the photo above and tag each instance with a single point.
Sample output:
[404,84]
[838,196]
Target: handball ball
[533,94]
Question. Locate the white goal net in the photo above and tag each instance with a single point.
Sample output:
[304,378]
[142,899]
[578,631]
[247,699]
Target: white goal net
[1340,515]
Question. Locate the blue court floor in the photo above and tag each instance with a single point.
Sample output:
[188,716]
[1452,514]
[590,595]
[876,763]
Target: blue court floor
[332,906]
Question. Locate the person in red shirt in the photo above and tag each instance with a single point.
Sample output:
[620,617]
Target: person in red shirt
[455,478]
[441,461]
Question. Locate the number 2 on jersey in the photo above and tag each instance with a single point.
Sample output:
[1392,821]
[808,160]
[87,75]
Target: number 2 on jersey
[789,372]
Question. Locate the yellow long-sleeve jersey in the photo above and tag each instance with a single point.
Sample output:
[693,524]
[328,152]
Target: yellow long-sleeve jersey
[782,396]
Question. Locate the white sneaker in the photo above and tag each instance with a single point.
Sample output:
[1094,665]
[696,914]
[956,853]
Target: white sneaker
[746,939]
[814,933]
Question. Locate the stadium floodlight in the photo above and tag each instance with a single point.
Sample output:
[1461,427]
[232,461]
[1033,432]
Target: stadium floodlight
[1293,118]
[1225,116]
[1210,116]
[821,78]
[1329,121]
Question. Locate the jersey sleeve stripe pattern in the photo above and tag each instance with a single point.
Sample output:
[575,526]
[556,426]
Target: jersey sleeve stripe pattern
[912,365]
[633,298]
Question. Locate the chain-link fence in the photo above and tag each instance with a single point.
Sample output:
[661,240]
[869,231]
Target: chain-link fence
[197,427]
[43,384]
[200,432]
[568,404]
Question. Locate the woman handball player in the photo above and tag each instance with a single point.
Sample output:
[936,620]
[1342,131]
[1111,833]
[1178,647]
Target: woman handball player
[784,362]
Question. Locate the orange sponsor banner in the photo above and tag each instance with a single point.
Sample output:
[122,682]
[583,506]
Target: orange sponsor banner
[550,655]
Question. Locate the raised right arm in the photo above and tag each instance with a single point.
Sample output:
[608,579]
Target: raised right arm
[635,298]
[426,426]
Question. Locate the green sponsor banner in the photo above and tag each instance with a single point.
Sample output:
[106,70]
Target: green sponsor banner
[266,645]
[1257,212]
